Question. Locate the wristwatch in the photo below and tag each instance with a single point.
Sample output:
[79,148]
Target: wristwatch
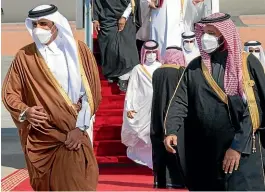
[22,117]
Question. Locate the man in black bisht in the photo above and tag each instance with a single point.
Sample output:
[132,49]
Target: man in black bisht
[220,105]
[116,22]
[166,166]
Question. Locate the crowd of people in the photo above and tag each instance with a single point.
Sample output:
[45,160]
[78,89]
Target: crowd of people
[194,105]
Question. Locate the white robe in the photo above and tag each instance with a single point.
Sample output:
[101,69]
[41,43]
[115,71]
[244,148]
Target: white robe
[144,32]
[135,132]
[169,22]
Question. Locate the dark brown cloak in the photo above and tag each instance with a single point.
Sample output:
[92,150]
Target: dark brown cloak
[51,166]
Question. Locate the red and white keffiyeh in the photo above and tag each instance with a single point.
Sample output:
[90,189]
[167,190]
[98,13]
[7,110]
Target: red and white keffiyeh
[174,56]
[233,71]
[152,46]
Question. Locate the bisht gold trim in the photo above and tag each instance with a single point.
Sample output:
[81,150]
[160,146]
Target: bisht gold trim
[176,66]
[143,69]
[165,130]
[221,94]
[55,83]
[85,83]
[248,85]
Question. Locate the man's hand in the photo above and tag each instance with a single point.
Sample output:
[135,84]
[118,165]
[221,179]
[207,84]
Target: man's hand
[152,5]
[121,23]
[231,160]
[36,115]
[96,26]
[130,114]
[195,2]
[73,140]
[78,106]
[169,141]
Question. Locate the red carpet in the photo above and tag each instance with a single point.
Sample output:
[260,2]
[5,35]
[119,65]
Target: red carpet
[110,179]
[107,128]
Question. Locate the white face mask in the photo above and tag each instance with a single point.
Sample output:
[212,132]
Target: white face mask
[151,57]
[188,46]
[209,43]
[43,35]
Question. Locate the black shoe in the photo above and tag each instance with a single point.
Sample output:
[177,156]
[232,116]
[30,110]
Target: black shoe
[123,84]
[110,80]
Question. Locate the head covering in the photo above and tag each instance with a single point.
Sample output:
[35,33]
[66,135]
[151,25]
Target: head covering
[174,55]
[150,45]
[254,45]
[50,12]
[190,55]
[233,71]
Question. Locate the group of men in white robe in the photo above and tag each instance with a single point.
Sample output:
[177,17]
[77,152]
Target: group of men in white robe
[167,23]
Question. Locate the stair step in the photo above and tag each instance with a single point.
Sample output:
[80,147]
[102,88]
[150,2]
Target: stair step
[112,103]
[109,148]
[112,89]
[107,132]
[108,120]
[109,112]
[113,159]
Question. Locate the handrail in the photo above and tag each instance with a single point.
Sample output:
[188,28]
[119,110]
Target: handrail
[88,24]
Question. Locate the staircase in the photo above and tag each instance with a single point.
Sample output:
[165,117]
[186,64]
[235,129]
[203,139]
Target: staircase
[107,127]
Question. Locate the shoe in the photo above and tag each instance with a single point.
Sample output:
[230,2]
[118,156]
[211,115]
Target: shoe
[110,80]
[123,84]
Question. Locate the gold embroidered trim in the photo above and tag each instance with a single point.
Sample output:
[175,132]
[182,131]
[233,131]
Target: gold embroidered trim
[133,6]
[85,82]
[221,94]
[248,89]
[145,71]
[56,84]
[176,66]
[165,130]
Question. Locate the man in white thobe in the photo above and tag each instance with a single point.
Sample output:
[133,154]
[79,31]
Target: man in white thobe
[52,90]
[256,49]
[173,17]
[60,64]
[189,46]
[137,108]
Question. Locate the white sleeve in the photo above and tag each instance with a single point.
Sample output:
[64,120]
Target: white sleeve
[131,89]
[84,115]
[193,14]
[127,11]
[200,11]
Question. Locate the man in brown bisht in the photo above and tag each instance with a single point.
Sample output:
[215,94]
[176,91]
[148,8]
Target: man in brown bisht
[52,90]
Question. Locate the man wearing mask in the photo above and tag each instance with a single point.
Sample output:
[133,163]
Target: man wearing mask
[116,22]
[256,49]
[166,166]
[190,46]
[137,107]
[52,91]
[169,19]
[220,105]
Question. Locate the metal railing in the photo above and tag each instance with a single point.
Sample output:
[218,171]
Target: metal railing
[88,24]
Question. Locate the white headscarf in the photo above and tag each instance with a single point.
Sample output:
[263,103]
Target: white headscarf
[190,55]
[70,48]
[261,54]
